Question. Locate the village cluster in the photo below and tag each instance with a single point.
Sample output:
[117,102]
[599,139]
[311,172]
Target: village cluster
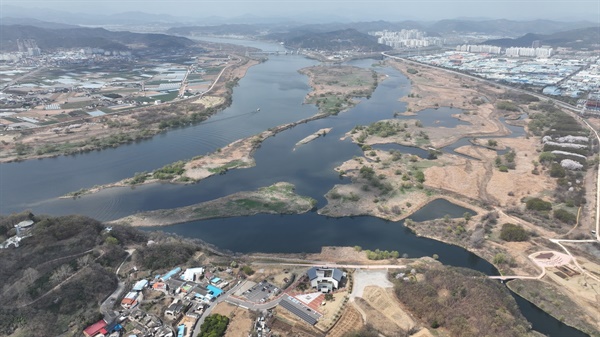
[76,84]
[182,299]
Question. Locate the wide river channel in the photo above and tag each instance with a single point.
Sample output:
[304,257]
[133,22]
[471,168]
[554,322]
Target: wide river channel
[278,90]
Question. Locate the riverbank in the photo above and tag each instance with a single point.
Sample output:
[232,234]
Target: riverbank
[549,298]
[392,186]
[569,299]
[239,154]
[278,198]
[125,126]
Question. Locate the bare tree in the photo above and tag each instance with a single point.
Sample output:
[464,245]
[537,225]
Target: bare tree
[84,261]
[30,275]
[61,273]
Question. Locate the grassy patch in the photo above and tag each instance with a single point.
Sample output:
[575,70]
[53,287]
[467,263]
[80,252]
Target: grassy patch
[228,166]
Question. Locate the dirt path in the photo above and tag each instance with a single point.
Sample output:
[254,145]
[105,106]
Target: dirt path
[486,178]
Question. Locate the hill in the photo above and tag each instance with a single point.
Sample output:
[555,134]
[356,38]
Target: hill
[7,21]
[54,282]
[505,27]
[229,29]
[463,302]
[576,38]
[337,40]
[50,39]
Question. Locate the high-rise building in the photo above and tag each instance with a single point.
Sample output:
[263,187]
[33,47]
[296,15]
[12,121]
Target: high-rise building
[529,52]
[406,38]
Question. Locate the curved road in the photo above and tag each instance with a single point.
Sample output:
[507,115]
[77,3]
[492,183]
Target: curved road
[106,308]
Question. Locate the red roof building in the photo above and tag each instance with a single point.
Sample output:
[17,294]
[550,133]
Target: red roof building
[94,329]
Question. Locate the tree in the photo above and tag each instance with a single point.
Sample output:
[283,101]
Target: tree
[467,216]
[537,204]
[214,325]
[565,216]
[21,148]
[84,260]
[492,143]
[420,176]
[329,297]
[110,240]
[512,232]
[499,258]
[61,273]
[557,171]
[248,270]
[30,275]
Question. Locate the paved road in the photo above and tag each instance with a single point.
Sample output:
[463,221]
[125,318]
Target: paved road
[334,265]
[106,308]
[223,297]
[219,77]
[31,73]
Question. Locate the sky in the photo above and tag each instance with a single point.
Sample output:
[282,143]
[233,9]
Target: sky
[355,10]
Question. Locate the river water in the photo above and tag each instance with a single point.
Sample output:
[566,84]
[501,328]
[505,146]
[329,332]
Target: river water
[278,90]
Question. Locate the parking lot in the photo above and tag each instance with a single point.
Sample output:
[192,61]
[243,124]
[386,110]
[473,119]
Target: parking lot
[261,292]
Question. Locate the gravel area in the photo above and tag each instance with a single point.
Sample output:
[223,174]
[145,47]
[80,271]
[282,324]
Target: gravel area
[364,278]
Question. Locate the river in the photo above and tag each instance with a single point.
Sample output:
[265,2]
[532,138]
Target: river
[278,90]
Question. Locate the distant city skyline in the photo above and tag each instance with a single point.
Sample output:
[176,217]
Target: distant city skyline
[336,10]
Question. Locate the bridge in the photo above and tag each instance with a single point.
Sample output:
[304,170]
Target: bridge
[513,277]
[272,52]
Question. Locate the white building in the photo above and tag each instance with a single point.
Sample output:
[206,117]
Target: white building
[406,38]
[192,274]
[529,52]
[325,279]
[482,48]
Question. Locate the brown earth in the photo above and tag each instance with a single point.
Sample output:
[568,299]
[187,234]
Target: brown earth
[385,302]
[431,88]
[240,322]
[331,310]
[339,79]
[287,324]
[350,321]
[380,322]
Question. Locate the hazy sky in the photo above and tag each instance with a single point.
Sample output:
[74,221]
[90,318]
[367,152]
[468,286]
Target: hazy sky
[354,10]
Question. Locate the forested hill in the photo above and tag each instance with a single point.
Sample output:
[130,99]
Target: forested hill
[347,39]
[50,39]
[80,255]
[576,38]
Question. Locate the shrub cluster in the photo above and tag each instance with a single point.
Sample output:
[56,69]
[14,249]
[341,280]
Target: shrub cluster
[512,232]
[565,216]
[537,204]
[214,326]
[381,254]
